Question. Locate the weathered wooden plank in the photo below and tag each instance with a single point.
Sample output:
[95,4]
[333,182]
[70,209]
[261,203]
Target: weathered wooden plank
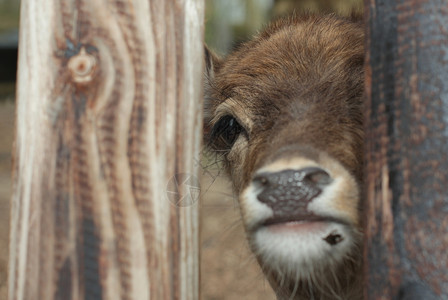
[406,152]
[109,110]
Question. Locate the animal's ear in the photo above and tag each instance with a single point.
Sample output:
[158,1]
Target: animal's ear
[212,65]
[357,15]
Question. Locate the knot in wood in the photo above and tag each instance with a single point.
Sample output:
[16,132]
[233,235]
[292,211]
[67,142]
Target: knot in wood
[82,66]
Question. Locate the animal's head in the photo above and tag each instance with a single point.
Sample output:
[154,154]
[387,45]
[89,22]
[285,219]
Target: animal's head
[285,113]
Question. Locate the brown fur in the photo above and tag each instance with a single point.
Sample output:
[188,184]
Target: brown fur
[296,88]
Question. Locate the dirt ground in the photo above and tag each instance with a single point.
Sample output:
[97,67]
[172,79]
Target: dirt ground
[228,270]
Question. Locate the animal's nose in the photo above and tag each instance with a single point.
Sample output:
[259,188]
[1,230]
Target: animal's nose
[290,191]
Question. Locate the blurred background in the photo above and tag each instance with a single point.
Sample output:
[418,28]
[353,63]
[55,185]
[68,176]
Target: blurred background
[229,271]
[230,22]
[9,22]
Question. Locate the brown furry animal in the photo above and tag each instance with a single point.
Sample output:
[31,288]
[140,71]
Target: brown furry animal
[285,111]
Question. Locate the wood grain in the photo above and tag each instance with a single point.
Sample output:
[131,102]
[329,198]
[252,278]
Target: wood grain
[406,152]
[109,111]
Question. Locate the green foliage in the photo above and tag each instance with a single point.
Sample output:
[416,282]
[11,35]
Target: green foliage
[9,15]
[229,22]
[342,7]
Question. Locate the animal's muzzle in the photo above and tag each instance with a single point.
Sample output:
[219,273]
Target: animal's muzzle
[288,192]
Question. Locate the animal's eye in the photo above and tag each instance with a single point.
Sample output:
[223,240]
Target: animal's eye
[225,132]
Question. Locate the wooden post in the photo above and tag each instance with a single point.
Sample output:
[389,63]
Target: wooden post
[406,153]
[109,118]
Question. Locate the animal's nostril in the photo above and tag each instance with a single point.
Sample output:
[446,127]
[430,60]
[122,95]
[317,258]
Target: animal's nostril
[290,191]
[262,179]
[316,175]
